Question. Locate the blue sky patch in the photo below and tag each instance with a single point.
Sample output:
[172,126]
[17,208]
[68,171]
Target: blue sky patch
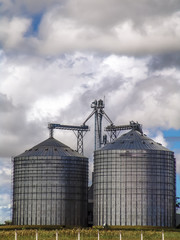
[172,133]
[172,136]
[36,20]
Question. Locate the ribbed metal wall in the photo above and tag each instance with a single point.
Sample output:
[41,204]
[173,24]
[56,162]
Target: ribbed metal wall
[50,183]
[135,184]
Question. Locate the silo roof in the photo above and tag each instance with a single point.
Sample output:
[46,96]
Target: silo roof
[50,147]
[134,140]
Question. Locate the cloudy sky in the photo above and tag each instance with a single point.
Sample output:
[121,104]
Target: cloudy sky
[57,56]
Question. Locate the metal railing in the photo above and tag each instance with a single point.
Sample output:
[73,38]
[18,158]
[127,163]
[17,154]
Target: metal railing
[78,236]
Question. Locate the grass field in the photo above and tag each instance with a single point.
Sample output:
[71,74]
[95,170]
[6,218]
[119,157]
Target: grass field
[88,234]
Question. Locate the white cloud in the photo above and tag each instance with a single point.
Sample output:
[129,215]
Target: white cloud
[157,35]
[5,174]
[91,11]
[32,78]
[5,214]
[68,34]
[5,5]
[29,7]
[49,107]
[4,198]
[6,171]
[69,27]
[160,138]
[12,31]
[37,91]
[106,14]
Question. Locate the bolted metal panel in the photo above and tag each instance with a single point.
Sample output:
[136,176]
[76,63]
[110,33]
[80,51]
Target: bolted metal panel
[50,186]
[134,185]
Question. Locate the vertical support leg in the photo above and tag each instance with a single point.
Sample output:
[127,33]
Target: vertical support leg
[12,191]
[79,235]
[51,132]
[162,234]
[15,234]
[95,130]
[141,235]
[99,130]
[56,234]
[80,142]
[36,234]
[113,135]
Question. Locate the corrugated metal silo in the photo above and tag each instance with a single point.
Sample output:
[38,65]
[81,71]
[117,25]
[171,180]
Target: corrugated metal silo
[134,182]
[50,183]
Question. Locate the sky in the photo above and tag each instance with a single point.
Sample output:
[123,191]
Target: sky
[57,57]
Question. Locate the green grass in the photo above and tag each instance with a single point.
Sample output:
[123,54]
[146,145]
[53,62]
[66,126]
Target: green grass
[88,234]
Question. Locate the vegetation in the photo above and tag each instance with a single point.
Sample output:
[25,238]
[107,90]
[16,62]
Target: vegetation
[8,222]
[23,233]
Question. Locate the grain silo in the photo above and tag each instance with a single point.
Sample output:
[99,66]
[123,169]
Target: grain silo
[134,182]
[50,183]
